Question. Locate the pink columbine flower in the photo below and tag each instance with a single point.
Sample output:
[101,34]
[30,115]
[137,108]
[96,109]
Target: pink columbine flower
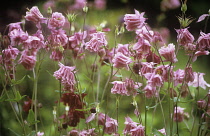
[10,54]
[119,88]
[100,4]
[13,26]
[134,21]
[17,36]
[170,4]
[66,75]
[199,81]
[97,41]
[154,79]
[165,71]
[77,39]
[129,124]
[162,131]
[152,57]
[28,61]
[138,131]
[74,132]
[168,52]
[58,38]
[35,16]
[184,37]
[150,91]
[201,104]
[121,61]
[56,55]
[131,86]
[179,114]
[56,21]
[33,42]
[124,49]
[40,133]
[189,75]
[204,41]
[146,67]
[142,46]
[145,33]
[111,126]
[178,76]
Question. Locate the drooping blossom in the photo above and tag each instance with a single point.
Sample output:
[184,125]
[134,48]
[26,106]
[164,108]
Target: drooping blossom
[152,57]
[189,75]
[199,53]
[132,86]
[129,124]
[119,88]
[121,61]
[35,16]
[111,126]
[9,54]
[40,133]
[17,36]
[165,71]
[204,41]
[138,131]
[56,55]
[13,26]
[168,52]
[178,76]
[199,81]
[57,20]
[57,38]
[184,37]
[169,4]
[202,17]
[27,60]
[123,48]
[146,67]
[100,4]
[66,75]
[142,46]
[145,33]
[33,42]
[96,42]
[201,104]
[77,39]
[154,79]
[150,91]
[134,21]
[89,132]
[178,114]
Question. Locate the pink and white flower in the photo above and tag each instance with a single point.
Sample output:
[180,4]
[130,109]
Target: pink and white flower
[134,21]
[121,61]
[119,88]
[184,37]
[168,52]
[199,81]
[129,125]
[56,21]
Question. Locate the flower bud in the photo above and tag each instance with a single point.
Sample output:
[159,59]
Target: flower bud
[184,8]
[49,10]
[85,9]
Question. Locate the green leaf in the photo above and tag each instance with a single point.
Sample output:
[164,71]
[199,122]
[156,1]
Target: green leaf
[31,118]
[3,98]
[16,82]
[106,63]
[17,98]
[16,134]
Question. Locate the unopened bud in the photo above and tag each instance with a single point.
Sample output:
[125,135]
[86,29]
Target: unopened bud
[184,8]
[85,9]
[49,10]
[71,17]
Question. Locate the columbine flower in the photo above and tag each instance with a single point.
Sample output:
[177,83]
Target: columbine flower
[179,114]
[199,81]
[204,41]
[119,88]
[121,61]
[154,79]
[10,54]
[56,55]
[123,49]
[202,17]
[146,67]
[178,76]
[184,37]
[152,57]
[170,4]
[150,91]
[138,131]
[97,41]
[35,16]
[28,61]
[17,36]
[33,42]
[100,4]
[111,126]
[13,26]
[168,52]
[201,104]
[56,21]
[134,21]
[77,39]
[129,124]
[66,75]
[131,86]
[58,38]
[142,46]
[40,133]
